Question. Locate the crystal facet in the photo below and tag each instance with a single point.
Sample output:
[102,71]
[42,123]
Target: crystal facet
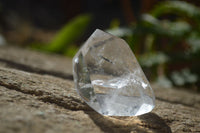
[109,79]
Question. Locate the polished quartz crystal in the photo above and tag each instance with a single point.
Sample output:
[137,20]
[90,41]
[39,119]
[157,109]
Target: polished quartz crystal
[109,79]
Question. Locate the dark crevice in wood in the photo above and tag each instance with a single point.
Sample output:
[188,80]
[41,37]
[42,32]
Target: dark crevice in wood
[71,103]
[30,92]
[35,70]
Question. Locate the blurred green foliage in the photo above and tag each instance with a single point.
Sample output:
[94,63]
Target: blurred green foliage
[167,43]
[69,34]
[65,39]
[179,8]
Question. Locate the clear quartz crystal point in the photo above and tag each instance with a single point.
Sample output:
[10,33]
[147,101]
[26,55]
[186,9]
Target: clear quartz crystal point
[109,79]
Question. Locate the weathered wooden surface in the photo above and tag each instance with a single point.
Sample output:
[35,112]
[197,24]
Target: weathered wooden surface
[37,95]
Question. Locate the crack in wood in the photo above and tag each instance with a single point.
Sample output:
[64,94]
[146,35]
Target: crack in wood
[71,103]
[13,87]
[31,84]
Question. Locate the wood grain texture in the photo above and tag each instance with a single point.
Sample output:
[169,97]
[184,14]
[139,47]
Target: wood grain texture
[35,99]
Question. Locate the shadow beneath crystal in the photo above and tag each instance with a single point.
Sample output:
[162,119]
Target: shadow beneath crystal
[155,122]
[118,124]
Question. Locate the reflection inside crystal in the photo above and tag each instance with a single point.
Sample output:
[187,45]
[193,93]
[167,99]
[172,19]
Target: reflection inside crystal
[109,79]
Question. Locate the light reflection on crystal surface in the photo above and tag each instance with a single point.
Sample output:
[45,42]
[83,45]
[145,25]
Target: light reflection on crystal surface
[109,79]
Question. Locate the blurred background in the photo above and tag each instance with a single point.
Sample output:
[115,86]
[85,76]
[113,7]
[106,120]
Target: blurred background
[164,35]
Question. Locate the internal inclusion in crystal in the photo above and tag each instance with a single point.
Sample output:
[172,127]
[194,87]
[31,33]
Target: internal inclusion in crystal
[109,79]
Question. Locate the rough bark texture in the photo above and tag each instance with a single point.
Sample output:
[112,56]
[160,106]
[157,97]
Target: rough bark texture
[37,95]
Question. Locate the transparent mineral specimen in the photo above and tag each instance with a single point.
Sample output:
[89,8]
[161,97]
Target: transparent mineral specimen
[109,79]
